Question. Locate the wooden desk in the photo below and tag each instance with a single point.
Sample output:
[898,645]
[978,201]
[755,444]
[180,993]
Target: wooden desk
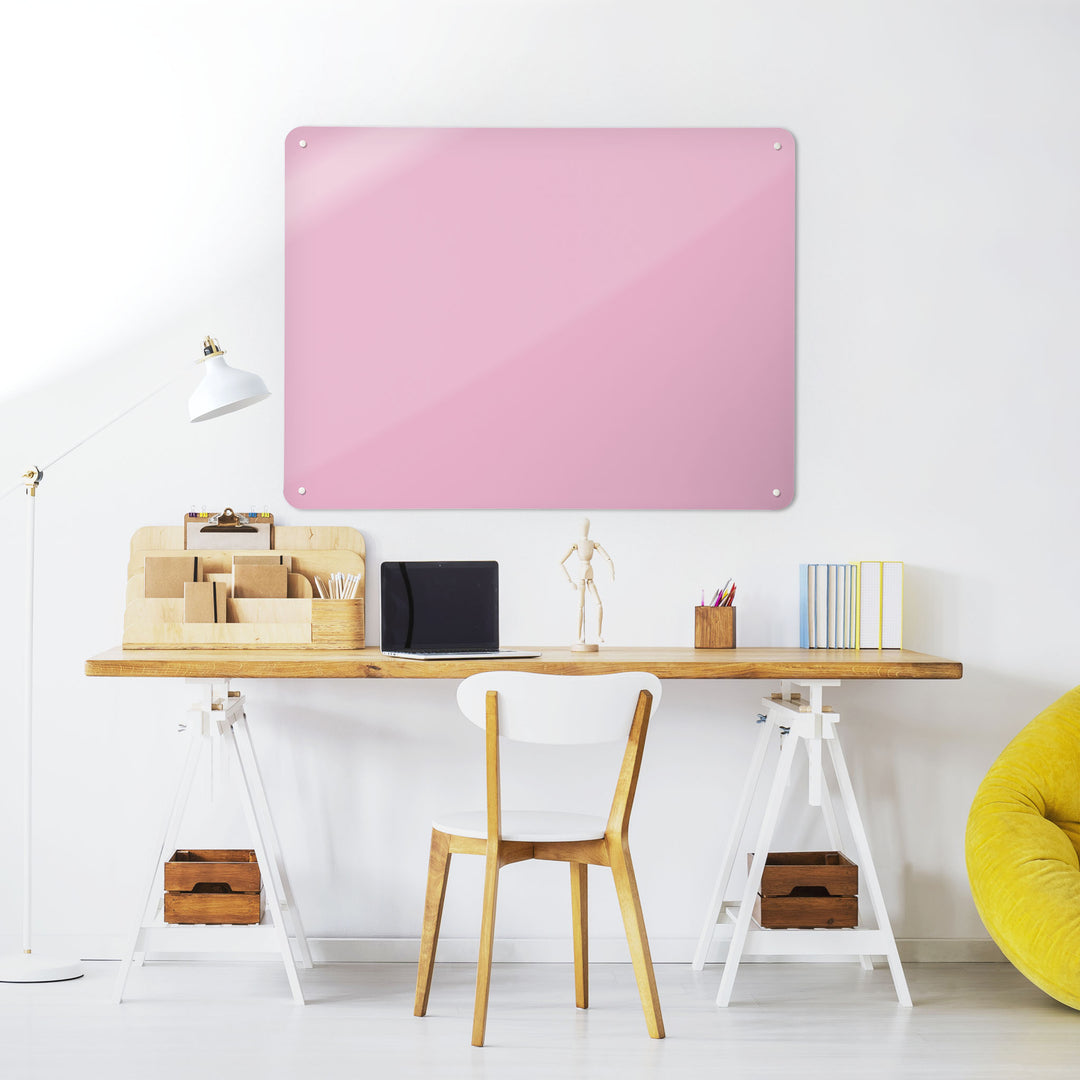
[795,719]
[665,663]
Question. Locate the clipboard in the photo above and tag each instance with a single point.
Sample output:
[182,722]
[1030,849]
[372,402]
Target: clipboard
[229,531]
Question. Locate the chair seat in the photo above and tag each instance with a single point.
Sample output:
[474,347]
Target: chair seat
[529,826]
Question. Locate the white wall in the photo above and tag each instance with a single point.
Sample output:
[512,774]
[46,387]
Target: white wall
[937,381]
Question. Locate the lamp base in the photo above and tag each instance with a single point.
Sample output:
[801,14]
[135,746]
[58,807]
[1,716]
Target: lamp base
[28,968]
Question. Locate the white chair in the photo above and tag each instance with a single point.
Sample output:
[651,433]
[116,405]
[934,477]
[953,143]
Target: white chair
[565,710]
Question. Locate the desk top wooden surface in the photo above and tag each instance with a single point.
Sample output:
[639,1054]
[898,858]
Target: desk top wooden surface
[666,663]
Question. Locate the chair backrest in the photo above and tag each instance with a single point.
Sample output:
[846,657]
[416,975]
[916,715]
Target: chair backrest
[565,710]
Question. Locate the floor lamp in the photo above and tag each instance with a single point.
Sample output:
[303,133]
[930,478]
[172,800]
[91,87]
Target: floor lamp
[223,389]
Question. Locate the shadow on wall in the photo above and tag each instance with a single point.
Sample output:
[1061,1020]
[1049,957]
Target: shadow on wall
[356,759]
[930,615]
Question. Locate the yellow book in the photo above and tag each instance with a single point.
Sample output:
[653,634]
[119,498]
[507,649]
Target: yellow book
[870,605]
[892,605]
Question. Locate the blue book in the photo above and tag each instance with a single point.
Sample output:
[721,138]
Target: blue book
[804,605]
[830,606]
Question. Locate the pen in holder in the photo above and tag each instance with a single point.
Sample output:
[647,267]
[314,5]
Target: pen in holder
[714,627]
[338,586]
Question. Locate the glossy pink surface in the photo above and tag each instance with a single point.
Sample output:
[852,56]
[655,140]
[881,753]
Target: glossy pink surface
[539,318]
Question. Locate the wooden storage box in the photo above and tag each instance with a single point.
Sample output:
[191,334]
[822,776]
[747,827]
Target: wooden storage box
[213,886]
[807,890]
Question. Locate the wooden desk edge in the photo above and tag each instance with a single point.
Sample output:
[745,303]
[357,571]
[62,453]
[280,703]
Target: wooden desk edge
[666,663]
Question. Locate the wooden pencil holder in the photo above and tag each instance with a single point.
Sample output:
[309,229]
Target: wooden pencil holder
[714,627]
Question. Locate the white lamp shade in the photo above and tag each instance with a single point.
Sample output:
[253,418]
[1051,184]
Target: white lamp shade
[224,389]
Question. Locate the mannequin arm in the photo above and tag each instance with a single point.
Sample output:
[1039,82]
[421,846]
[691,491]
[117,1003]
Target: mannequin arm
[610,561]
[562,564]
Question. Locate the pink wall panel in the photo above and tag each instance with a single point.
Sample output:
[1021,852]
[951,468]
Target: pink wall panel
[539,318]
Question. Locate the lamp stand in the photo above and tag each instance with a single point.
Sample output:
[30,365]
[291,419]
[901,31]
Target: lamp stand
[25,967]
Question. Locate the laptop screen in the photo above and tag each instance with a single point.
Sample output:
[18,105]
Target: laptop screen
[440,606]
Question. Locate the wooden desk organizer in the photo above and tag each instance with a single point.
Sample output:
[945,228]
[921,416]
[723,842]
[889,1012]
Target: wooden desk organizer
[301,621]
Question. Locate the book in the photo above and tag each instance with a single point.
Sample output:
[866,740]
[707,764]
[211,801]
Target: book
[830,633]
[892,605]
[841,606]
[821,616]
[851,605]
[804,605]
[869,605]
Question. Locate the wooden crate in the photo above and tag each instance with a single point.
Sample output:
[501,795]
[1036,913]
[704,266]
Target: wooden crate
[214,886]
[807,890]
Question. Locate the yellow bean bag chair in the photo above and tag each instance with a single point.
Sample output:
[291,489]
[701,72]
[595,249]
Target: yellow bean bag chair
[1023,839]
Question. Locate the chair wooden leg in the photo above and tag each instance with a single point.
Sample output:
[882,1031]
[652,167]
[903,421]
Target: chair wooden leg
[487,943]
[634,922]
[579,904]
[438,871]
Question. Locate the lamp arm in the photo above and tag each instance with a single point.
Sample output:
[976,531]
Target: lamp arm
[119,416]
[27,479]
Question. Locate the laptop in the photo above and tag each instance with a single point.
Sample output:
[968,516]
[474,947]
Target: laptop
[442,611]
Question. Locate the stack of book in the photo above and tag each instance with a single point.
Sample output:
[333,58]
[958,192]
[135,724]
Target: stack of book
[851,605]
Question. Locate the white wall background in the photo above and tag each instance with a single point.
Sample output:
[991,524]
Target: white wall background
[937,388]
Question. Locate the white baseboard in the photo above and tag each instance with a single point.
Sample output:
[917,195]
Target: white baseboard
[615,951]
[526,950]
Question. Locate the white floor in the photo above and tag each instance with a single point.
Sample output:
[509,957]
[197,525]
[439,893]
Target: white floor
[787,1020]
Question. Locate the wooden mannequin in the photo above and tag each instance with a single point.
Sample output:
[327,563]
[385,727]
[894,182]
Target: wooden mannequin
[585,548]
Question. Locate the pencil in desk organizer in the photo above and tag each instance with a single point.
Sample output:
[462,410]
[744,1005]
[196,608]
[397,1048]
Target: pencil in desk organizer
[714,627]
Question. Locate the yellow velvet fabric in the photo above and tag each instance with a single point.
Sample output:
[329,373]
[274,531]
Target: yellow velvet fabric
[1023,850]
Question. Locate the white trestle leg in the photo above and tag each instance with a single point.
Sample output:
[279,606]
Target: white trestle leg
[795,720]
[221,716]
[727,863]
[245,750]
